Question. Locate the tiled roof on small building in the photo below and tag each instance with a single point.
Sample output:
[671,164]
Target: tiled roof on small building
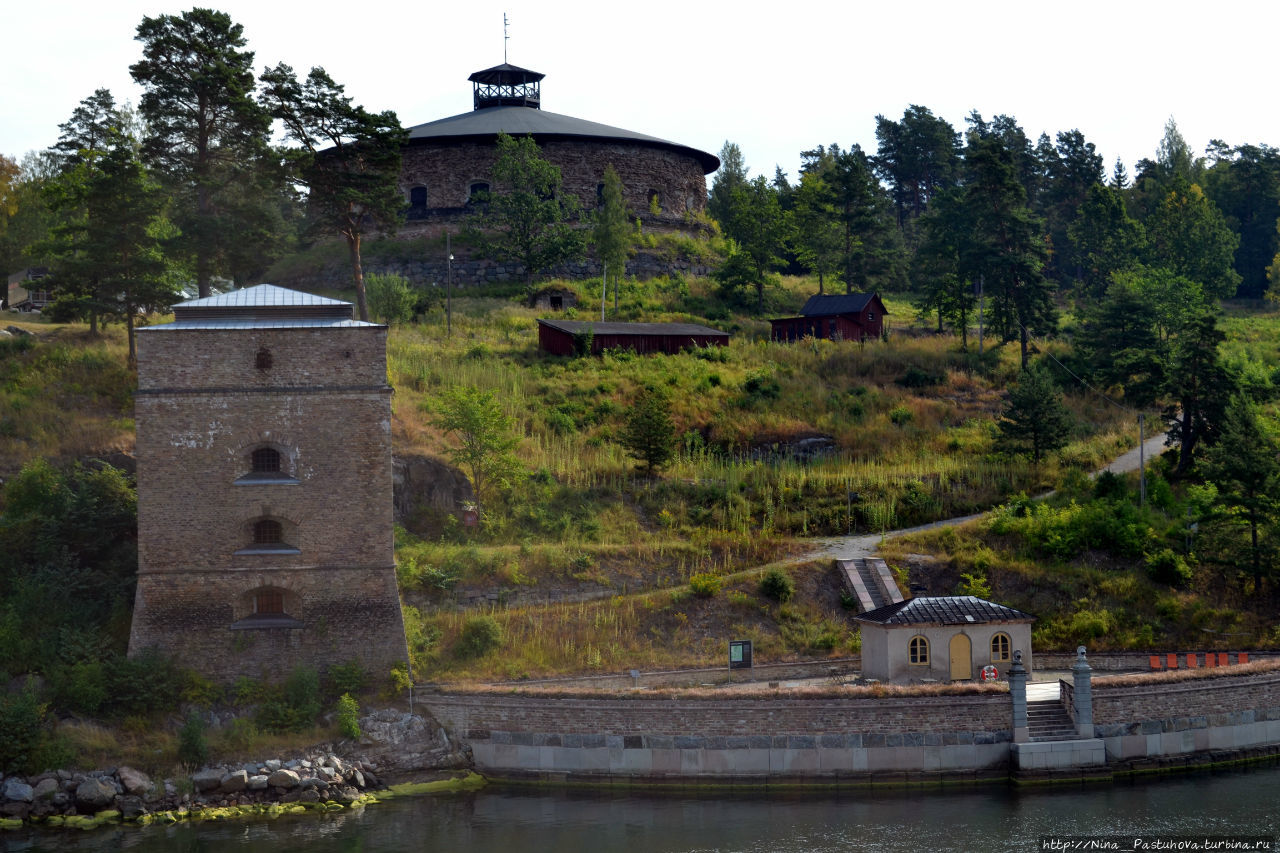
[943,610]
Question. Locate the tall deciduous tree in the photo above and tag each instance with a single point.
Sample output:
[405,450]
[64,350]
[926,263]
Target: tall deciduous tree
[204,128]
[526,218]
[486,440]
[612,233]
[347,158]
[1188,234]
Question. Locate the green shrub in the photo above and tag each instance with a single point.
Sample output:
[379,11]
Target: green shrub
[900,414]
[704,584]
[22,718]
[348,677]
[1166,567]
[974,584]
[777,584]
[193,746]
[480,635]
[348,716]
[389,297]
[302,692]
[918,377]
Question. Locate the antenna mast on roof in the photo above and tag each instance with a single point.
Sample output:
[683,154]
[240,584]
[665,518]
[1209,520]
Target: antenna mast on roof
[505,38]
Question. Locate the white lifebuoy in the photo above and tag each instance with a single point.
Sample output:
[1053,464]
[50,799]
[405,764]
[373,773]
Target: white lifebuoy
[990,673]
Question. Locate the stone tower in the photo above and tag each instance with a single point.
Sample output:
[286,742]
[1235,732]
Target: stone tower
[264,488]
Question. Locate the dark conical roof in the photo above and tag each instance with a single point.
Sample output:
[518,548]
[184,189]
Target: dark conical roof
[508,100]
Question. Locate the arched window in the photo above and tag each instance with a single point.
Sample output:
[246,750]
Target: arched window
[478,192]
[918,651]
[266,607]
[268,600]
[267,531]
[655,202]
[267,466]
[265,460]
[1000,648]
[599,195]
[263,360]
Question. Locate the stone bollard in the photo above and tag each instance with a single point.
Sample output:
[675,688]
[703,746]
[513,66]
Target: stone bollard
[1018,690]
[1082,704]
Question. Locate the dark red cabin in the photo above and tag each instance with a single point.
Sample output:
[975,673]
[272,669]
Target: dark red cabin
[846,317]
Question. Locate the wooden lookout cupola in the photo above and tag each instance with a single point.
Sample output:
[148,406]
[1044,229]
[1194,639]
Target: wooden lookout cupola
[507,86]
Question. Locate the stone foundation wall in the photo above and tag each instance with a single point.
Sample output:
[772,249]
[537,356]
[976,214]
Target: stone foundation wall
[475,272]
[655,738]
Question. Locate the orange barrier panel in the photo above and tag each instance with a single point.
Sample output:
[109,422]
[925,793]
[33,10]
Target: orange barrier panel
[1243,657]
[1172,659]
[1210,659]
[1191,660]
[1224,658]
[1155,662]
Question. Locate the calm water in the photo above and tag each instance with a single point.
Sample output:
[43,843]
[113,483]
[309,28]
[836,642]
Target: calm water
[521,821]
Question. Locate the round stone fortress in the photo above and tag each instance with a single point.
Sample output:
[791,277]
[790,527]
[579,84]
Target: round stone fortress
[448,161]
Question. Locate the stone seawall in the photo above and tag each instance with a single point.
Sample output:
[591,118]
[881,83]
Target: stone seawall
[763,740]
[1180,719]
[858,740]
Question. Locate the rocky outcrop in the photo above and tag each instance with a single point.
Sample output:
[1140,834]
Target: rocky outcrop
[420,482]
[403,743]
[395,744]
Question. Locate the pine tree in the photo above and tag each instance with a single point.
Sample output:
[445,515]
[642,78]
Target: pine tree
[1034,421]
[204,128]
[649,434]
[347,157]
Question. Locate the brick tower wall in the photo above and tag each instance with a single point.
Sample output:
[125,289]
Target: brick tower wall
[323,404]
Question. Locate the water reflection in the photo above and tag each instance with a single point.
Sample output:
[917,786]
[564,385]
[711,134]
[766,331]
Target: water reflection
[994,818]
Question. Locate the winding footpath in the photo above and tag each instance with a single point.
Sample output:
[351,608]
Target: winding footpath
[855,547]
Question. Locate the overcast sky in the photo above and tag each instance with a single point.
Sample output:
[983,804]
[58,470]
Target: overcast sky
[776,78]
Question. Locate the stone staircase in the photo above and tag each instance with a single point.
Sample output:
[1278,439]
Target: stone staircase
[1048,720]
[870,582]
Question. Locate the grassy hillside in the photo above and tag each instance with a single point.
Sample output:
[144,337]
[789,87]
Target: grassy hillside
[586,564]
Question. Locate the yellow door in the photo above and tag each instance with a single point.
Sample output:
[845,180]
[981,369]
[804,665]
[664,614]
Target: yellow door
[961,658]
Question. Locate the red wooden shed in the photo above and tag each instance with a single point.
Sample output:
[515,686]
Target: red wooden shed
[559,336]
[846,316]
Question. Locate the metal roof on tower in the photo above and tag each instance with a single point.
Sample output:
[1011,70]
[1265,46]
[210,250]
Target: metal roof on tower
[264,306]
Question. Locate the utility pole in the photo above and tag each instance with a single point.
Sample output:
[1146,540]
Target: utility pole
[1142,460]
[448,290]
[981,301]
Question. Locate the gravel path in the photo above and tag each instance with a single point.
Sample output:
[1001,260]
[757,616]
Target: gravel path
[855,547]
